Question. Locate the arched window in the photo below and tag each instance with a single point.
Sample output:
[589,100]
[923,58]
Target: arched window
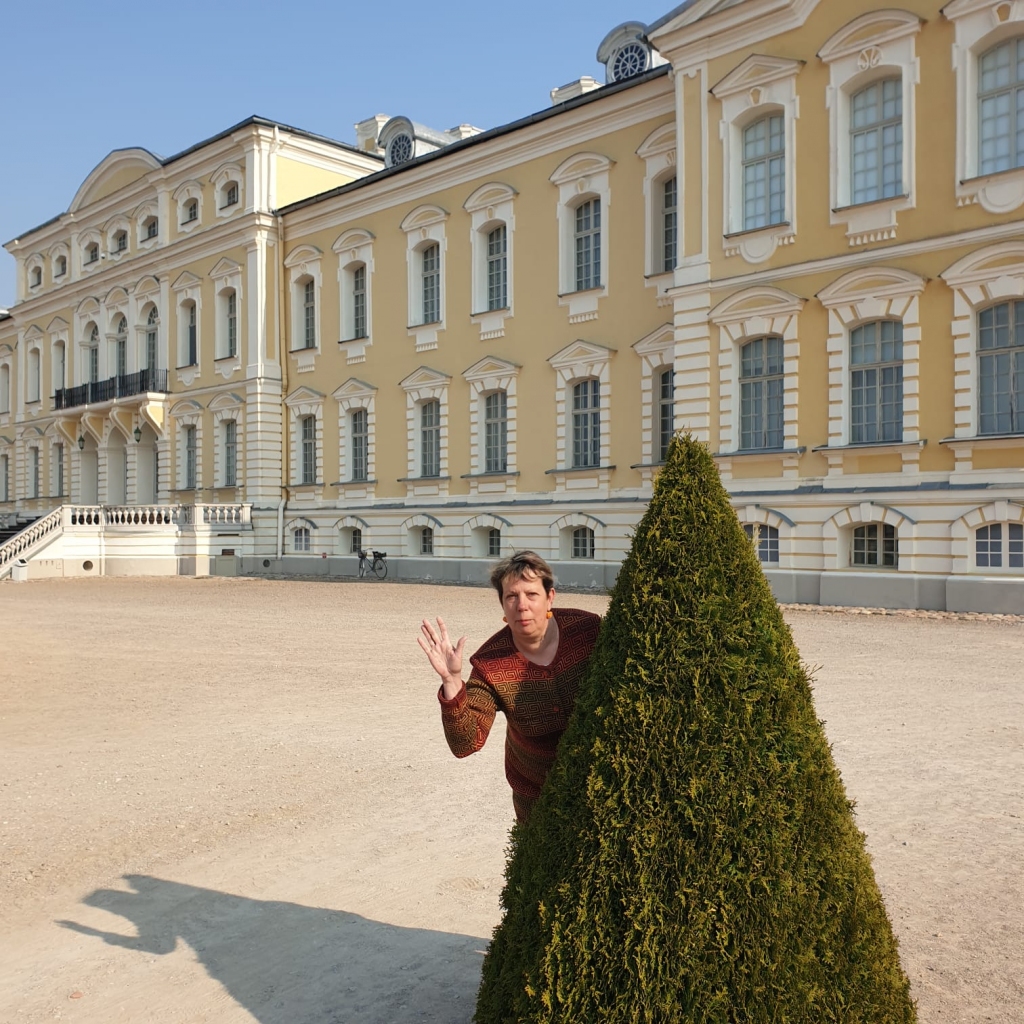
[494,543]
[93,355]
[496,432]
[230,194]
[5,388]
[61,267]
[430,274]
[875,544]
[586,423]
[357,541]
[307,427]
[666,411]
[430,439]
[764,172]
[121,343]
[876,382]
[300,539]
[762,384]
[426,541]
[151,227]
[92,252]
[876,141]
[587,240]
[669,223]
[360,439]
[989,549]
[34,372]
[765,539]
[152,323]
[36,278]
[1001,369]
[191,211]
[497,268]
[359,301]
[583,542]
[1001,108]
[121,241]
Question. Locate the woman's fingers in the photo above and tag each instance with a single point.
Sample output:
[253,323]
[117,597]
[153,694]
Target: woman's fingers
[444,630]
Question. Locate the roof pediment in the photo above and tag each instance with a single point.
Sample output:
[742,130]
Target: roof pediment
[354,388]
[302,395]
[351,239]
[994,261]
[115,171]
[423,217]
[302,254]
[186,279]
[757,70]
[872,29]
[186,407]
[58,323]
[226,400]
[579,166]
[581,352]
[871,282]
[491,194]
[147,286]
[490,366]
[760,300]
[424,376]
[225,267]
[657,341]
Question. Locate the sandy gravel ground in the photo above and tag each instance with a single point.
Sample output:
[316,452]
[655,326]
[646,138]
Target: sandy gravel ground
[230,800]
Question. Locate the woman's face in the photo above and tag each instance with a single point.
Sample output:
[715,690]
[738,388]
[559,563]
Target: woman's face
[526,604]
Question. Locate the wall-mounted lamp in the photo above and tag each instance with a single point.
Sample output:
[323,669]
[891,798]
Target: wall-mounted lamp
[81,442]
[137,434]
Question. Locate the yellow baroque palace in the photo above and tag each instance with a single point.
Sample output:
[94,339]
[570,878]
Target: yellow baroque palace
[790,227]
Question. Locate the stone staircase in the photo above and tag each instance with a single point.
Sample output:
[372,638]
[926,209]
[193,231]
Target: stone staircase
[23,540]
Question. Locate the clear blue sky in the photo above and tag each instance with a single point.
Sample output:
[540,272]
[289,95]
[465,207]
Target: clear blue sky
[80,79]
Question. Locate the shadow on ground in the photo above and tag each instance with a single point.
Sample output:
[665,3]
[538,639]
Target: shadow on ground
[291,964]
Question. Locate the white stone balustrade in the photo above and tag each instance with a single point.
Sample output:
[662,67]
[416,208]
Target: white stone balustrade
[22,544]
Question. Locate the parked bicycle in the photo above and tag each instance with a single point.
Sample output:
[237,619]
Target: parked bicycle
[377,564]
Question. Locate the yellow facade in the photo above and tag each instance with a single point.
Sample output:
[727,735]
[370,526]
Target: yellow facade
[836,181]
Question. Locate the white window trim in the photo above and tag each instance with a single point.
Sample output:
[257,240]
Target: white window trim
[979,25]
[352,395]
[475,535]
[33,345]
[228,406]
[561,537]
[142,214]
[425,385]
[490,206]
[185,192]
[484,377]
[60,249]
[756,88]
[226,277]
[221,178]
[984,278]
[875,46]
[301,263]
[147,294]
[836,534]
[343,531]
[116,305]
[111,231]
[962,531]
[657,354]
[578,361]
[301,523]
[87,316]
[55,462]
[582,177]
[6,394]
[188,413]
[412,528]
[35,262]
[862,296]
[59,332]
[301,403]
[758,515]
[424,227]
[187,288]
[353,248]
[88,238]
[658,151]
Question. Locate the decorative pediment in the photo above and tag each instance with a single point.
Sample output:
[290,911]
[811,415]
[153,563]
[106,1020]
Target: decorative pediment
[423,217]
[187,190]
[580,166]
[354,388]
[760,300]
[491,194]
[580,352]
[352,522]
[147,208]
[994,261]
[490,366]
[871,283]
[756,71]
[225,268]
[186,279]
[117,296]
[119,220]
[656,342]
[34,333]
[351,239]
[226,172]
[303,396]
[113,172]
[302,254]
[56,325]
[147,286]
[661,140]
[88,306]
[424,376]
[226,400]
[876,28]
[186,407]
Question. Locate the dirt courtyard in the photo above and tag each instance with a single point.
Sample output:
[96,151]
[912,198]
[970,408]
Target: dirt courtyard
[231,800]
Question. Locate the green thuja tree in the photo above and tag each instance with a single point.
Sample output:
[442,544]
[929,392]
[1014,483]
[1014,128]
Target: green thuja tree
[693,856]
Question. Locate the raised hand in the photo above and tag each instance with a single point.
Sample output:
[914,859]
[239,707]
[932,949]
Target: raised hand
[445,658]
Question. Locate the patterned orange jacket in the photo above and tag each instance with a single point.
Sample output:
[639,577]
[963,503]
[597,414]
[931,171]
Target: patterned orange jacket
[536,700]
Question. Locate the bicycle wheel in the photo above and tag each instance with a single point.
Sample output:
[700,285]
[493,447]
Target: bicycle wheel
[380,568]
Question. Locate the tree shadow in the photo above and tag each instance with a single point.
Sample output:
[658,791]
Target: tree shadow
[291,964]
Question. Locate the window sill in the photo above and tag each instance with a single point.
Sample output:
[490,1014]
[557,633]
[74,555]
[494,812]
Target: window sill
[579,469]
[187,366]
[583,304]
[306,487]
[750,232]
[984,441]
[867,447]
[355,483]
[489,476]
[765,454]
[873,221]
[499,311]
[422,479]
[756,245]
[223,359]
[868,203]
[304,349]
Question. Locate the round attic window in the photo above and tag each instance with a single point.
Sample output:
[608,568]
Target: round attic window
[629,61]
[400,150]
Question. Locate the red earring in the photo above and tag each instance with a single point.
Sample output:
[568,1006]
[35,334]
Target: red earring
[504,619]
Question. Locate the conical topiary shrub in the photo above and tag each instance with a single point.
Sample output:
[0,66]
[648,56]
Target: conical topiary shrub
[693,856]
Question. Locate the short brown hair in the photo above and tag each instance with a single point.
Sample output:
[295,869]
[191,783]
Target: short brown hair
[522,565]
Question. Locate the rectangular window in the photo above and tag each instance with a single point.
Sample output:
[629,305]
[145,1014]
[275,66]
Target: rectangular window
[232,325]
[230,453]
[122,357]
[190,458]
[764,173]
[765,539]
[494,543]
[876,141]
[586,424]
[496,432]
[360,439]
[1016,545]
[497,268]
[1001,108]
[430,439]
[583,542]
[357,541]
[232,195]
[307,426]
[151,350]
[426,541]
[359,302]
[666,413]
[762,387]
[876,382]
[988,546]
[431,275]
[670,223]
[193,349]
[309,314]
[94,364]
[875,545]
[587,237]
[301,539]
[5,494]
[1001,369]
[58,456]
[35,472]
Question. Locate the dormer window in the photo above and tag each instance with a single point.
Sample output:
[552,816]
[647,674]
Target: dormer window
[151,227]
[191,211]
[61,267]
[626,53]
[231,194]
[121,241]
[399,150]
[37,277]
[629,61]
[92,253]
